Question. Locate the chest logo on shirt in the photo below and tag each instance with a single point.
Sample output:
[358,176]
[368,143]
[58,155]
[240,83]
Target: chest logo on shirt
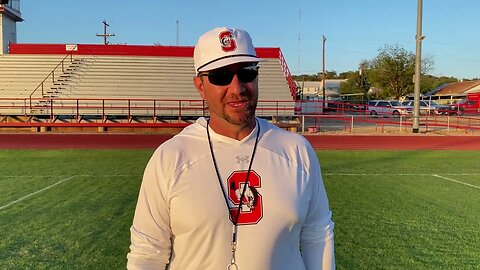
[252,207]
[242,160]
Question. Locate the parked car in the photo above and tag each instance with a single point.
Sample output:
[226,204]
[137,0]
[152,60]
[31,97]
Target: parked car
[429,107]
[465,106]
[387,108]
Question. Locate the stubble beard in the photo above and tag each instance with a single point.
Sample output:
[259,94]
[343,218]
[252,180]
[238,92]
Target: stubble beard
[243,119]
[240,117]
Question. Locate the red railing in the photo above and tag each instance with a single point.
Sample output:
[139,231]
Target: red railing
[18,112]
[288,75]
[50,110]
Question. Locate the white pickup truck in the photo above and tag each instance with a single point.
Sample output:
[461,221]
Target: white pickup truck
[388,108]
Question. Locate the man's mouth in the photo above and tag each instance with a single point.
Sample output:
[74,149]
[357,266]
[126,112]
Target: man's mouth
[237,103]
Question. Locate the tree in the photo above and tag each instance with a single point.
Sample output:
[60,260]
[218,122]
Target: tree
[315,77]
[357,81]
[393,70]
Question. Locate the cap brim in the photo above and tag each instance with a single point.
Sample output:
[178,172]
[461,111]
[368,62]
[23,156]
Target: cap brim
[229,61]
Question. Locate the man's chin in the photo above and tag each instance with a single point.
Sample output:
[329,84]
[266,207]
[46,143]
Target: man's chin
[244,120]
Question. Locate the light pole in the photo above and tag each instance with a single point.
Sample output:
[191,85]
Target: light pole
[324,39]
[177,41]
[418,68]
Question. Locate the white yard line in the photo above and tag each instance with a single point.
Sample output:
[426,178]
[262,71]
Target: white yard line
[34,193]
[411,174]
[456,181]
[398,174]
[57,183]
[80,175]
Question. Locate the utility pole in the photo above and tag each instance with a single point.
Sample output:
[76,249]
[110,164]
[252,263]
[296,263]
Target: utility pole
[418,69]
[105,34]
[177,42]
[324,39]
[299,41]
[299,94]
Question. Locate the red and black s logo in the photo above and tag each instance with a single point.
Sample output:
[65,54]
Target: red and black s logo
[252,207]
[227,41]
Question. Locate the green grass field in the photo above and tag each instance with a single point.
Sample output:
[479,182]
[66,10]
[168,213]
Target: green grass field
[72,209]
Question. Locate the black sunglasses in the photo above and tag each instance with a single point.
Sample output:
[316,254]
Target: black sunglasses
[222,77]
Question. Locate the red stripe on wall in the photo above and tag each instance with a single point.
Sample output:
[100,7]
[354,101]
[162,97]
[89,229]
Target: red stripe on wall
[134,50]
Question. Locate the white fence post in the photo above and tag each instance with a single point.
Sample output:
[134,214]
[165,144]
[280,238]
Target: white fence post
[351,128]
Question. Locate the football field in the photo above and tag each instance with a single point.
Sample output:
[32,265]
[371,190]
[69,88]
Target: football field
[404,209]
[72,209]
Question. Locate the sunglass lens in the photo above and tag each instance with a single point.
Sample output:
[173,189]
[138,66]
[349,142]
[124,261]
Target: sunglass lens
[247,75]
[221,77]
[224,77]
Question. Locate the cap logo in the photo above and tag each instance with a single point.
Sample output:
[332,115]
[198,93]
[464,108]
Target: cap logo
[227,41]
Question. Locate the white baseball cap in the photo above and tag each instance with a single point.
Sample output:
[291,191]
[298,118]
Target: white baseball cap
[221,47]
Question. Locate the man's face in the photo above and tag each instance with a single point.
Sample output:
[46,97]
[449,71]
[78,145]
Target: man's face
[233,102]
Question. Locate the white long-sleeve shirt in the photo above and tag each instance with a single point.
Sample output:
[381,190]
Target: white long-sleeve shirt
[182,221]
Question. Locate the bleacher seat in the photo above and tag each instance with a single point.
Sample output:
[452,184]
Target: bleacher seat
[125,77]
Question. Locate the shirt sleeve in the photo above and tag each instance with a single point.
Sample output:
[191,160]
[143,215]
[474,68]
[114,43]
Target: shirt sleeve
[317,239]
[150,233]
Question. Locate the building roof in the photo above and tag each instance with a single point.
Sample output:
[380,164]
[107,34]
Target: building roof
[435,90]
[460,88]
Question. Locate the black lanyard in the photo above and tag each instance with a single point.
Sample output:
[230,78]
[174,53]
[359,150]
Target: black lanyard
[232,265]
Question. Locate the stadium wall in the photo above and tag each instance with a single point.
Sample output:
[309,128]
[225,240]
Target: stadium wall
[120,50]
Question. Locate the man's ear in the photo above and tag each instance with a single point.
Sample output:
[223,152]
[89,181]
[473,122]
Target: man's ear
[197,81]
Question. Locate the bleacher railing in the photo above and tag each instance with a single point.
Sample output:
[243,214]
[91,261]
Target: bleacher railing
[52,109]
[288,75]
[18,112]
[51,75]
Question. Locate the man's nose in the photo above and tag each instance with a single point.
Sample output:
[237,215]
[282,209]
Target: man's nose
[236,85]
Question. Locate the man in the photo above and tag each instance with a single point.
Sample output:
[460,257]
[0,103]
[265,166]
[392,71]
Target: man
[232,191]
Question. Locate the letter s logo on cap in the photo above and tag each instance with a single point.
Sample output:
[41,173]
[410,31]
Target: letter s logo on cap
[227,41]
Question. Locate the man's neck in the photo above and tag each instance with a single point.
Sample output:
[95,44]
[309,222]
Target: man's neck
[233,131]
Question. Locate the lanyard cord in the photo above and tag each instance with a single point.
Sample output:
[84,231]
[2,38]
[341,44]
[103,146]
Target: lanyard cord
[234,220]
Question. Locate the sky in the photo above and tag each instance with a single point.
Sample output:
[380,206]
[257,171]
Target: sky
[354,29]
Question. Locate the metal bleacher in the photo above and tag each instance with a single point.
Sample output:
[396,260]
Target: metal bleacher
[119,85]
[131,77]
[20,74]
[159,78]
